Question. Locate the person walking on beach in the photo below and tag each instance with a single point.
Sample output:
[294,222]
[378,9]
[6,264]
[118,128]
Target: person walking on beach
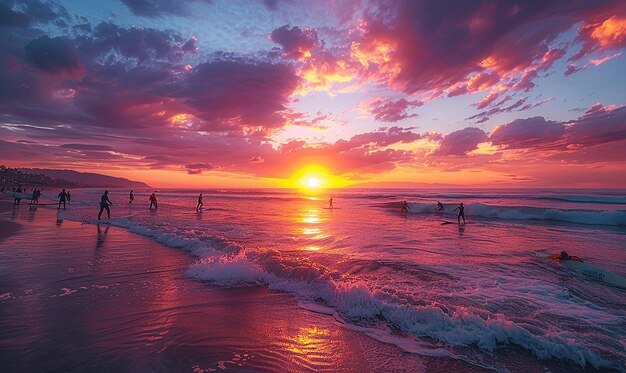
[405,207]
[35,199]
[461,209]
[200,204]
[104,204]
[62,199]
[69,197]
[330,202]
[17,199]
[153,201]
[439,206]
[131,197]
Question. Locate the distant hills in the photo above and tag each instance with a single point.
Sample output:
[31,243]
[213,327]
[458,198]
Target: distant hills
[65,178]
[88,179]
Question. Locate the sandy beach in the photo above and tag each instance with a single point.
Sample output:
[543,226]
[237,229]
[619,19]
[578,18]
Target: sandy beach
[78,297]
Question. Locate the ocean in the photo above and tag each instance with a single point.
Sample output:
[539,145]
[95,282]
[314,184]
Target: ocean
[475,292]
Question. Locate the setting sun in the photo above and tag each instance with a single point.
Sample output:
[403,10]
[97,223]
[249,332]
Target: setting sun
[312,182]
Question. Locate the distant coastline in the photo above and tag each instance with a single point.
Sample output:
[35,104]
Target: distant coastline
[35,177]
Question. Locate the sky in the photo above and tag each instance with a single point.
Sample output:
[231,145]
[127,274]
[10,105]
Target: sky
[269,93]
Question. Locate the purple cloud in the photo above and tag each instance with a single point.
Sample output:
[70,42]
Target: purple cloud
[459,143]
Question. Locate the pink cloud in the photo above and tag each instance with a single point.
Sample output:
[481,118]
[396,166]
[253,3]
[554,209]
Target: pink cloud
[491,97]
[525,133]
[550,57]
[482,81]
[389,110]
[459,143]
[604,30]
[526,83]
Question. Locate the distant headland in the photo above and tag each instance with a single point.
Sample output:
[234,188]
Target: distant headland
[63,178]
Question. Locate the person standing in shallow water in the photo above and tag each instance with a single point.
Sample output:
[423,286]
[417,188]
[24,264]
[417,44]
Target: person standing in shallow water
[62,199]
[330,202]
[153,201]
[131,197]
[405,207]
[104,204]
[200,204]
[461,209]
[17,199]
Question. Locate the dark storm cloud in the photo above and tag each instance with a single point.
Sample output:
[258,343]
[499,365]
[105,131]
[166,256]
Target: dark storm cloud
[53,55]
[159,8]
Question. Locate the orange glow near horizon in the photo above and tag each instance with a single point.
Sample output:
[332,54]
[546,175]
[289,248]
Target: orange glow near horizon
[314,179]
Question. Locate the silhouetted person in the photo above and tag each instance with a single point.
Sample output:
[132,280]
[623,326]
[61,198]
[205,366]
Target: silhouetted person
[439,206]
[330,202]
[153,201]
[131,197]
[405,207]
[62,199]
[17,199]
[461,209]
[104,204]
[69,197]
[200,204]
[565,256]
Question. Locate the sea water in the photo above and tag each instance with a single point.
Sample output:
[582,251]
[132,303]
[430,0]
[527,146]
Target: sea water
[468,291]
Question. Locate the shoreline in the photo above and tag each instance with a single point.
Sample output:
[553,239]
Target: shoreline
[72,293]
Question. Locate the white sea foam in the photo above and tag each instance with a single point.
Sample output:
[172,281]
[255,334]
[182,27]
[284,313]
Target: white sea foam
[224,263]
[356,304]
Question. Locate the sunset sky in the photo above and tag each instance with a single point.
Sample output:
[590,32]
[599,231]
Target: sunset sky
[246,93]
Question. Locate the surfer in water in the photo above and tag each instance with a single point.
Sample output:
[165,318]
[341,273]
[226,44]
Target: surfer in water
[439,206]
[62,199]
[330,202]
[153,201]
[405,207]
[200,204]
[565,256]
[104,204]
[131,197]
[461,209]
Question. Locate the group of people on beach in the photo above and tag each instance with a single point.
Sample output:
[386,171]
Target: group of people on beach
[105,202]
[65,197]
[440,207]
[35,194]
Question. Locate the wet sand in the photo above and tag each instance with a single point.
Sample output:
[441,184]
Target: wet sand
[77,297]
[8,228]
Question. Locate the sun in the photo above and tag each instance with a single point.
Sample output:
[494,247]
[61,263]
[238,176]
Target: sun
[312,182]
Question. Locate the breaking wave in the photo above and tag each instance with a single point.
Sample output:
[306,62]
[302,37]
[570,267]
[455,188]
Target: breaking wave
[593,217]
[227,264]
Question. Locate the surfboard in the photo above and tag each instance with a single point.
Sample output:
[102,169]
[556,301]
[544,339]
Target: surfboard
[17,194]
[448,222]
[588,271]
